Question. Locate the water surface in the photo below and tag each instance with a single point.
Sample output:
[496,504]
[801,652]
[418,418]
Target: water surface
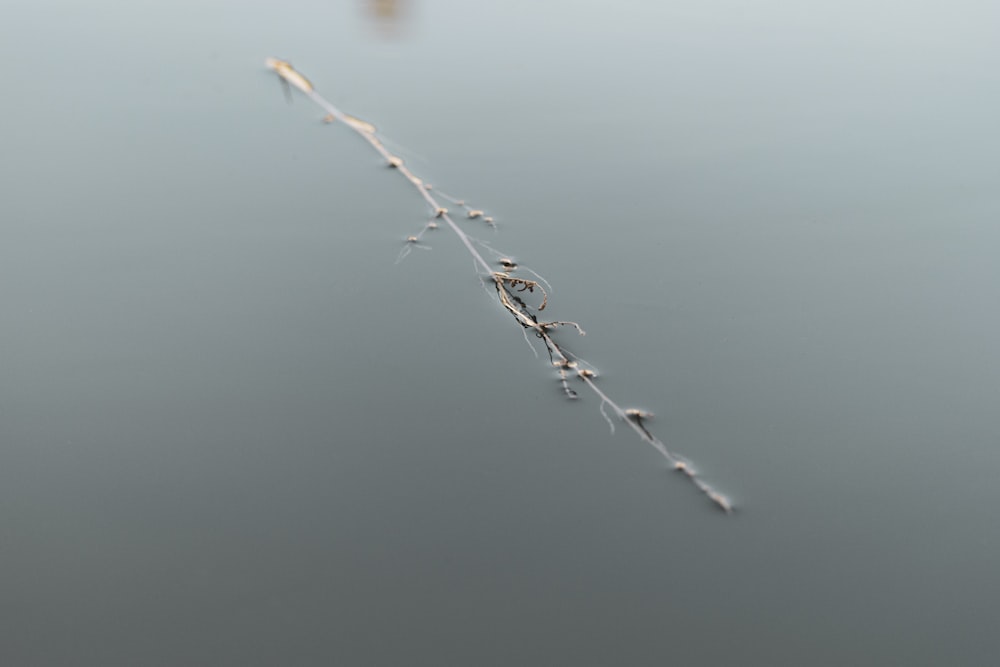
[235,432]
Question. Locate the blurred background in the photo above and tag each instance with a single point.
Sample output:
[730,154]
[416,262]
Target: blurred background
[234,431]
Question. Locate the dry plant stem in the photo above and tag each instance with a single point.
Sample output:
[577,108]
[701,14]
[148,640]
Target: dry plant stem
[507,287]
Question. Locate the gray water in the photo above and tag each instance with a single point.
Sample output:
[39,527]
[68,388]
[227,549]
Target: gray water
[233,431]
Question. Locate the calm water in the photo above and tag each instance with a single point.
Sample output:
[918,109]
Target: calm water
[235,432]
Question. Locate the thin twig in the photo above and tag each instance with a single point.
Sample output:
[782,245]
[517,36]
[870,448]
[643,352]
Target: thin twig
[509,289]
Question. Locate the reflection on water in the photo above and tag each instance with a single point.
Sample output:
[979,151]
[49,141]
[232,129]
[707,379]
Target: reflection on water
[388,16]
